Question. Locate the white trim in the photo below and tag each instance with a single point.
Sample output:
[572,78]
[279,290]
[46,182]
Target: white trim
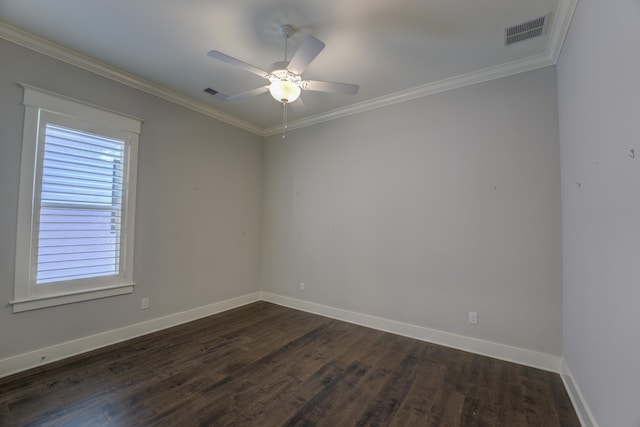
[41,108]
[577,398]
[54,300]
[35,358]
[51,101]
[76,59]
[32,359]
[492,73]
[547,362]
[561,20]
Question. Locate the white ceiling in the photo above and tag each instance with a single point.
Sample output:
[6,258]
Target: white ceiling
[395,50]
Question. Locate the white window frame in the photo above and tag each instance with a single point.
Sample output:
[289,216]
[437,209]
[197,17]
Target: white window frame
[42,107]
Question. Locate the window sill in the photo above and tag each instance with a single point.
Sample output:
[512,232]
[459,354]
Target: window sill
[51,301]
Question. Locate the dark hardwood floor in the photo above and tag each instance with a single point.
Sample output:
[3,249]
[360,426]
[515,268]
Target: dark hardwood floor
[266,365]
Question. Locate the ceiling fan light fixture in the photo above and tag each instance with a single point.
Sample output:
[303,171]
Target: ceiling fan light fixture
[284,91]
[285,76]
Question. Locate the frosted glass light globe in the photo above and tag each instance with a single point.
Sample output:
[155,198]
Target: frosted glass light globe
[284,91]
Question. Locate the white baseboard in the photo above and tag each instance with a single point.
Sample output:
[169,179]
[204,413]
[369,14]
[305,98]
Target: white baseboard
[46,355]
[579,403]
[522,356]
[547,362]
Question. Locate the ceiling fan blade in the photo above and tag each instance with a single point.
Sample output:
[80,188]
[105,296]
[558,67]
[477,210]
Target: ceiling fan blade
[236,62]
[248,94]
[220,96]
[308,50]
[298,107]
[332,87]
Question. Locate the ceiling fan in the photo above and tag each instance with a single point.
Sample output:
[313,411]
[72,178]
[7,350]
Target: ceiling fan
[285,77]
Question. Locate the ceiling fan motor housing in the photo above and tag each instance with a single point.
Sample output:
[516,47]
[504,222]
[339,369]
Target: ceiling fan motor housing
[279,70]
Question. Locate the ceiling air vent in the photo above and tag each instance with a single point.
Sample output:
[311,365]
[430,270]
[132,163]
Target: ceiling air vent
[525,31]
[210,91]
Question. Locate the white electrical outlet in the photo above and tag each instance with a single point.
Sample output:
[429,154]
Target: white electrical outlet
[473,317]
[144,303]
[302,286]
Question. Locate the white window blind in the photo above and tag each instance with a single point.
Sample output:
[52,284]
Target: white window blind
[81,206]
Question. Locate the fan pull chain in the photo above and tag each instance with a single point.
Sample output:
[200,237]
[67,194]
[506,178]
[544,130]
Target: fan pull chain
[284,119]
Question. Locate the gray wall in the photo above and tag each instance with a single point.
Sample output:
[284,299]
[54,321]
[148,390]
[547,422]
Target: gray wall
[599,109]
[419,212]
[426,210]
[198,223]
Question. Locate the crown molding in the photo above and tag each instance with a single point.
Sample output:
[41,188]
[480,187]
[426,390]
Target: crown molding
[559,28]
[492,73]
[561,20]
[76,59]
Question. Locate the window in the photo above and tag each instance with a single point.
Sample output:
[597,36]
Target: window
[77,202]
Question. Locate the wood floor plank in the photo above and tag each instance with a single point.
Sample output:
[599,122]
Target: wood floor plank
[279,412]
[267,365]
[328,397]
[386,403]
[537,406]
[447,409]
[562,402]
[416,407]
[381,356]
[478,409]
